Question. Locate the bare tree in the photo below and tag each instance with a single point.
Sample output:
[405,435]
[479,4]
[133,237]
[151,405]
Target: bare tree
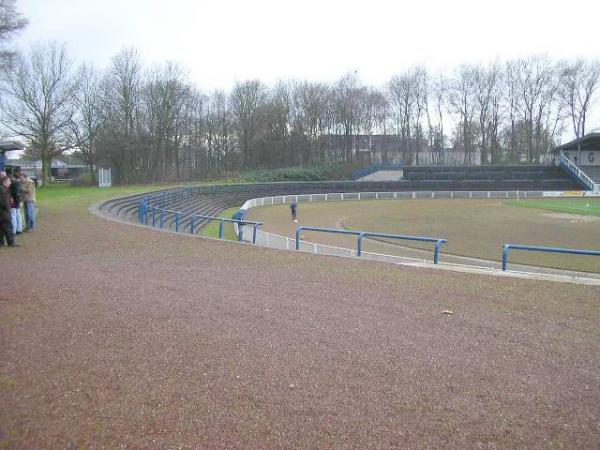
[89,115]
[536,85]
[246,99]
[10,23]
[122,139]
[166,94]
[578,84]
[462,101]
[439,93]
[402,90]
[311,105]
[38,101]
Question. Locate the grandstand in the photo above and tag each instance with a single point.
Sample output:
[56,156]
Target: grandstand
[212,199]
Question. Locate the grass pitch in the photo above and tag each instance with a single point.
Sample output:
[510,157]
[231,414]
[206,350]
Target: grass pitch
[585,206]
[212,229]
[473,228]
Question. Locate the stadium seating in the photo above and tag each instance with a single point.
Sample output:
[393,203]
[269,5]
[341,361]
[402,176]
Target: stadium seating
[211,200]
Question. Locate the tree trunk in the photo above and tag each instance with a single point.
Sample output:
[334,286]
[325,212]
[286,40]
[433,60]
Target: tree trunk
[93,174]
[46,161]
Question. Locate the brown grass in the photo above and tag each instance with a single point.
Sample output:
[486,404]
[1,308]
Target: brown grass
[116,336]
[474,228]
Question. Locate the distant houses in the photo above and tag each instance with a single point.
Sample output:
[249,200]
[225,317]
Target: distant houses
[393,148]
[59,170]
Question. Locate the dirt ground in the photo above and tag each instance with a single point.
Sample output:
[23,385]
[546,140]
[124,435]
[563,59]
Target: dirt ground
[473,228]
[115,336]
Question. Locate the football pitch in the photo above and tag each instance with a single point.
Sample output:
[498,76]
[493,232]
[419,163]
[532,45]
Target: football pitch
[473,228]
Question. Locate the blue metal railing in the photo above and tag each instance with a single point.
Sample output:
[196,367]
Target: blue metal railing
[532,248]
[224,220]
[153,206]
[363,234]
[158,200]
[576,172]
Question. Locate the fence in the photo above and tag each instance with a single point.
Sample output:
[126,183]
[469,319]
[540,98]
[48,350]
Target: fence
[155,204]
[531,248]
[398,195]
[223,220]
[362,234]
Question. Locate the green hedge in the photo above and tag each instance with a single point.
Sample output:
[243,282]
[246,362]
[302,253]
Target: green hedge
[323,173]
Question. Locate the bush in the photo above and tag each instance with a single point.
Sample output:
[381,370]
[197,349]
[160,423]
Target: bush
[323,173]
[84,179]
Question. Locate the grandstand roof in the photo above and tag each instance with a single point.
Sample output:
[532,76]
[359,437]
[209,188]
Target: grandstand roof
[9,146]
[590,141]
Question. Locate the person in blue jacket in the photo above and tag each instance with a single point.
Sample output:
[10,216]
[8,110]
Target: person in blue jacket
[240,215]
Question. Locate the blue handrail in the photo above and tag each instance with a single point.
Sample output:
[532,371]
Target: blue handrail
[362,234]
[223,220]
[533,248]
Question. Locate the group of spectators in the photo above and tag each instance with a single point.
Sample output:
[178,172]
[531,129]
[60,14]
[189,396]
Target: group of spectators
[17,197]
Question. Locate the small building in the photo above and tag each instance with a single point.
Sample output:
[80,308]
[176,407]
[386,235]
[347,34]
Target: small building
[59,170]
[8,146]
[584,151]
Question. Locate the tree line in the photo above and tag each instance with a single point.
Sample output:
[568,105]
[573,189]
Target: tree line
[152,124]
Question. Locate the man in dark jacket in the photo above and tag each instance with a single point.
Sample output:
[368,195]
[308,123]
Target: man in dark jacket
[15,192]
[6,231]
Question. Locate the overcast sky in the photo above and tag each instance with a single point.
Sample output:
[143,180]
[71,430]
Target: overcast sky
[222,41]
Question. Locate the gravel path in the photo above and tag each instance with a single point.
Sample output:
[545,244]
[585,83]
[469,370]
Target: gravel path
[112,335]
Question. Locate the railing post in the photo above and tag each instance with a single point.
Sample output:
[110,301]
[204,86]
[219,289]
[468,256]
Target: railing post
[505,250]
[192,225]
[298,230]
[254,233]
[436,252]
[359,247]
[177,222]
[162,217]
[154,216]
[240,232]
[221,229]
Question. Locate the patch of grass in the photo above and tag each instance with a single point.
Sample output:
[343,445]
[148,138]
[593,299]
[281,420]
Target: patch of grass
[63,192]
[587,206]
[212,229]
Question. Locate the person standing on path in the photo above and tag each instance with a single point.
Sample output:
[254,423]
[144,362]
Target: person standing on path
[28,197]
[6,231]
[293,208]
[15,193]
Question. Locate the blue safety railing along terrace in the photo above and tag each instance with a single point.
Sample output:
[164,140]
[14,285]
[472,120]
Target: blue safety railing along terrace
[532,248]
[365,234]
[153,206]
